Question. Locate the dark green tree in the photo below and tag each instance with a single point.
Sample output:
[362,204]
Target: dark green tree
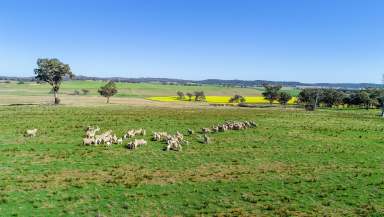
[108,90]
[332,97]
[271,92]
[53,72]
[190,95]
[199,96]
[181,95]
[283,98]
[237,99]
[310,98]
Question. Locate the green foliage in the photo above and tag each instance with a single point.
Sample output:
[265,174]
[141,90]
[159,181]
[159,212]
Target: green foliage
[332,97]
[108,90]
[199,96]
[190,95]
[310,98]
[53,72]
[271,92]
[237,99]
[181,95]
[283,98]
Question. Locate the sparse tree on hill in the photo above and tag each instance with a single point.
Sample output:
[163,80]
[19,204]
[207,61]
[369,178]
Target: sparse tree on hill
[237,99]
[283,98]
[361,98]
[108,90]
[199,96]
[53,72]
[190,95]
[181,95]
[310,97]
[332,97]
[271,92]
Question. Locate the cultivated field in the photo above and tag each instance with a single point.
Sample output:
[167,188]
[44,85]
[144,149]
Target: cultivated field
[32,93]
[295,163]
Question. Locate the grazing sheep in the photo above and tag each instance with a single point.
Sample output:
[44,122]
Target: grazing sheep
[91,131]
[119,141]
[136,143]
[107,133]
[88,141]
[223,128]
[141,132]
[179,136]
[133,133]
[173,144]
[206,130]
[98,139]
[215,129]
[160,136]
[30,133]
[129,134]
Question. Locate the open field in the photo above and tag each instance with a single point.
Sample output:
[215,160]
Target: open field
[32,93]
[125,89]
[295,163]
[220,99]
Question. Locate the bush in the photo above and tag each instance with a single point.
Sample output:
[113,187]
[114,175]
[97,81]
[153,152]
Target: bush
[85,91]
[237,99]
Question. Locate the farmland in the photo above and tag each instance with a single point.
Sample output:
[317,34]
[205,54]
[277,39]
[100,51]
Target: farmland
[295,163]
[219,99]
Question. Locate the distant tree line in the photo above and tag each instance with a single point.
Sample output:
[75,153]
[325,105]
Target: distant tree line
[199,95]
[273,93]
[368,98]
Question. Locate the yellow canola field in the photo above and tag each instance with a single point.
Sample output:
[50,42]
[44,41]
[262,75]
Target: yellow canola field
[219,99]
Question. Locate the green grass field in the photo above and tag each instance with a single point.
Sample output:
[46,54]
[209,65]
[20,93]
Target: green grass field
[141,90]
[295,163]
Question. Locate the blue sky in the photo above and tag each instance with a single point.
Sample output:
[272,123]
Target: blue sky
[296,40]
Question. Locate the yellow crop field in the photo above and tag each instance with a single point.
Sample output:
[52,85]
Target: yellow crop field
[219,99]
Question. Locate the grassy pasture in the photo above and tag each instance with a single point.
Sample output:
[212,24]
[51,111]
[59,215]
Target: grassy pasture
[220,99]
[295,163]
[141,90]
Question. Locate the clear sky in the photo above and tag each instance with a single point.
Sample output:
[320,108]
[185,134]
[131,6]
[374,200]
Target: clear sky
[296,40]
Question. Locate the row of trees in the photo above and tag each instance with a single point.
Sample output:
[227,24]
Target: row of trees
[368,98]
[54,72]
[273,93]
[199,95]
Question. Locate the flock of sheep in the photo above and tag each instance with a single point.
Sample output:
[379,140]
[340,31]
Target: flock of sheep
[173,142]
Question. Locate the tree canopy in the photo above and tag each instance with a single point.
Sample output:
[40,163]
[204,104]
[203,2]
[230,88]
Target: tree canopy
[271,92]
[108,90]
[53,71]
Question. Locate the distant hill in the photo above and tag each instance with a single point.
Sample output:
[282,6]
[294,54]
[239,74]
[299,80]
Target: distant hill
[238,83]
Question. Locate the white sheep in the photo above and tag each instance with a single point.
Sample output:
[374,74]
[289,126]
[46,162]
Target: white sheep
[160,136]
[136,143]
[30,133]
[173,144]
[88,141]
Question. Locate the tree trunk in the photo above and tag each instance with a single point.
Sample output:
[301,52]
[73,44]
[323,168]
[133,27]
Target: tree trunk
[107,100]
[57,100]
